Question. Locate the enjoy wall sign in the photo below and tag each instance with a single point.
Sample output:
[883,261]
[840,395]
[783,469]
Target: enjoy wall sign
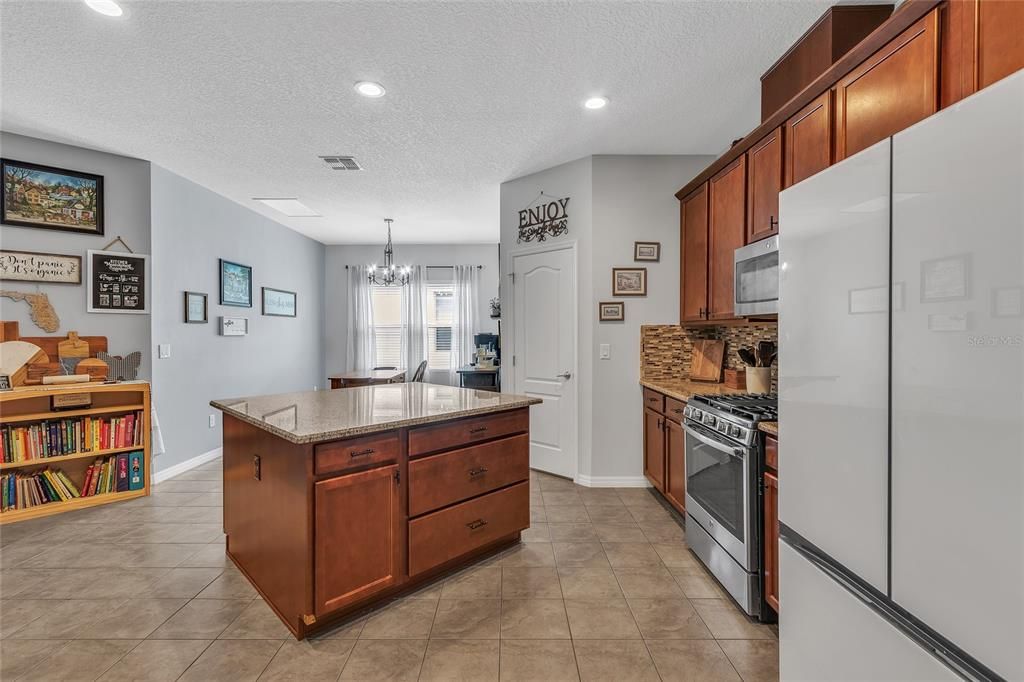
[546,216]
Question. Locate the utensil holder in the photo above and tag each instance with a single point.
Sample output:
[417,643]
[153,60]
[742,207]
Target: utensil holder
[759,379]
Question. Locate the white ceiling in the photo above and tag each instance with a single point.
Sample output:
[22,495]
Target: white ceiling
[243,96]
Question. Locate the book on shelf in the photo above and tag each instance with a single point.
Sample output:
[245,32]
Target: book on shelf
[113,473]
[59,437]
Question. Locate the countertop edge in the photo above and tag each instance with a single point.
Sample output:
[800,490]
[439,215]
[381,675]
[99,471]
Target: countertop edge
[352,431]
[771,428]
[670,387]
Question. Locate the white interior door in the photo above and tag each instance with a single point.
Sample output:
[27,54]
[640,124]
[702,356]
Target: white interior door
[545,355]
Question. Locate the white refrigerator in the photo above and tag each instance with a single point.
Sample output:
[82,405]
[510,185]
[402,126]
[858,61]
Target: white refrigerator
[901,404]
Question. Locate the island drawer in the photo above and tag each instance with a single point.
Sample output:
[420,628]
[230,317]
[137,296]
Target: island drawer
[674,409]
[439,480]
[351,453]
[654,400]
[427,439]
[448,534]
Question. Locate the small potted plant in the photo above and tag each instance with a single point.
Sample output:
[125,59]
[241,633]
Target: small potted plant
[495,308]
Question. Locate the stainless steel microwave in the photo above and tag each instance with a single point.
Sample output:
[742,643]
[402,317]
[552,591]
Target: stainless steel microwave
[756,284]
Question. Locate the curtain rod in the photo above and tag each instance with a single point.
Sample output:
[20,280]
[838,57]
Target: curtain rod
[478,267]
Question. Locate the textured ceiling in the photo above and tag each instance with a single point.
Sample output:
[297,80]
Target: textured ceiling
[242,96]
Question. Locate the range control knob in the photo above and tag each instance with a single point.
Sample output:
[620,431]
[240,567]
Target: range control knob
[709,420]
[735,431]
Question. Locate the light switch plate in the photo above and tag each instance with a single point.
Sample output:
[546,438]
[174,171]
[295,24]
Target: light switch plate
[606,351]
[213,420]
[164,350]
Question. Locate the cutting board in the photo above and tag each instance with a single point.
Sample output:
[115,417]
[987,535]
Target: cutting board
[73,347]
[706,364]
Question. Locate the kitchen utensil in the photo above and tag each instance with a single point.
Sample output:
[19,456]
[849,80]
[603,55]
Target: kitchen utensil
[747,356]
[707,360]
[764,351]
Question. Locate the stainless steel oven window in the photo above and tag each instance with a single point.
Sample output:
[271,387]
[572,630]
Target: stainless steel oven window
[716,480]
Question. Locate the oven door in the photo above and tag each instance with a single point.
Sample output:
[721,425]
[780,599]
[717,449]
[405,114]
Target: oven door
[756,286]
[718,491]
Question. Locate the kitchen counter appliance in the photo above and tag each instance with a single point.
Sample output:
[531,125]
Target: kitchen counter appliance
[756,272]
[724,463]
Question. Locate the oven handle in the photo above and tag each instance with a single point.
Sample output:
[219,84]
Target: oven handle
[717,444]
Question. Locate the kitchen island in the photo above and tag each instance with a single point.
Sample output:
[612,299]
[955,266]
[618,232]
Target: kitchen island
[335,500]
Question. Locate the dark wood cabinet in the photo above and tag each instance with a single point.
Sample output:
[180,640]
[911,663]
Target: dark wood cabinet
[771,539]
[764,182]
[893,89]
[654,448]
[808,140]
[981,44]
[727,227]
[358,537]
[693,256]
[675,465]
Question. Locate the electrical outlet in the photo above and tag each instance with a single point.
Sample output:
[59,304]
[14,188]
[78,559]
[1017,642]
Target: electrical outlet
[315,387]
[164,350]
[213,420]
[606,351]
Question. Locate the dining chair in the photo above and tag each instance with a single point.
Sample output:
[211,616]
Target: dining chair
[420,371]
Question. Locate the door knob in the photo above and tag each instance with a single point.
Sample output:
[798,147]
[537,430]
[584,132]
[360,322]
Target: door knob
[565,375]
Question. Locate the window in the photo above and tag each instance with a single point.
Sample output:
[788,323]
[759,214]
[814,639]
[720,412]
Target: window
[387,326]
[440,316]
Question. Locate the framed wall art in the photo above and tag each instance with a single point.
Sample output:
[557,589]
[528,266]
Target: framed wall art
[118,282]
[611,311]
[629,281]
[44,268]
[51,198]
[235,284]
[196,308]
[279,303]
[234,326]
[647,251]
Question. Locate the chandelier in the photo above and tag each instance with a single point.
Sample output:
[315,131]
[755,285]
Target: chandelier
[387,274]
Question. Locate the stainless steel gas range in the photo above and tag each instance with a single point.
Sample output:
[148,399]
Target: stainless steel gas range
[724,463]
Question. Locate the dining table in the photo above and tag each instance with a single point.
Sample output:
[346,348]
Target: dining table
[367,377]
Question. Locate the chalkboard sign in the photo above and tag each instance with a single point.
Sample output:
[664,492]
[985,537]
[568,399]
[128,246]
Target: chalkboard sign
[117,282]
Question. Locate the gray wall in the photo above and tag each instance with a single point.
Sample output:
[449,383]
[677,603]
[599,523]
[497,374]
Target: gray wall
[336,284]
[127,213]
[192,228]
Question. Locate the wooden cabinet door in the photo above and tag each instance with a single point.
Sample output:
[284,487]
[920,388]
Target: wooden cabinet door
[893,89]
[981,44]
[808,140]
[357,537]
[771,540]
[764,166]
[693,256]
[675,465]
[654,449]
[728,219]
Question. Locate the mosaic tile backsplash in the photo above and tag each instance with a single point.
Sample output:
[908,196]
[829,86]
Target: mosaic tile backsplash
[667,349]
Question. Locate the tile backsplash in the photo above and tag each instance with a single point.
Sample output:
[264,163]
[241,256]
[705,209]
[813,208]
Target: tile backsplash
[666,350]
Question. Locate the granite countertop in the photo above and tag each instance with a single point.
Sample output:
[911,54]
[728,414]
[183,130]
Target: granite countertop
[771,428]
[684,389]
[317,416]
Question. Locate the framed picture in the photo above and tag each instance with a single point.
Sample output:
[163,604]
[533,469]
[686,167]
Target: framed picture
[51,198]
[234,326]
[611,311]
[46,268]
[647,251]
[1008,302]
[118,282]
[945,279]
[235,284]
[195,308]
[629,281]
[279,303]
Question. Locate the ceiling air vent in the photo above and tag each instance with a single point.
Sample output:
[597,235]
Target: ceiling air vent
[342,163]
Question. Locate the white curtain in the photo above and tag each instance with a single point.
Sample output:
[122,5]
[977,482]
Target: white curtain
[361,351]
[465,322]
[414,322]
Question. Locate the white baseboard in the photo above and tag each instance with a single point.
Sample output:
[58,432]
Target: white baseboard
[182,467]
[612,481]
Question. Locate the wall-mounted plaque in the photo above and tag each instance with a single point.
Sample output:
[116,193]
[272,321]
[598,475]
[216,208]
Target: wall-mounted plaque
[117,281]
[234,326]
[46,268]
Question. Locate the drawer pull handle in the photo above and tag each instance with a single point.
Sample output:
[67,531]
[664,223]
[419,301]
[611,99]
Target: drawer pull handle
[479,471]
[473,525]
[677,410]
[478,429]
[652,400]
[361,453]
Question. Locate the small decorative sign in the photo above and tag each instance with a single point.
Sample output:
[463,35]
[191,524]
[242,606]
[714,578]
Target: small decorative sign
[612,311]
[234,326]
[647,251]
[48,268]
[543,219]
[279,303]
[64,401]
[117,282]
[5,382]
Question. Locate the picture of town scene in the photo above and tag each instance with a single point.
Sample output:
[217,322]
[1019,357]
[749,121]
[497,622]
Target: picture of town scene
[51,198]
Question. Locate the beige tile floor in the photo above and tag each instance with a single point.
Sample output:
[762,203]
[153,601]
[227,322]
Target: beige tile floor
[603,588]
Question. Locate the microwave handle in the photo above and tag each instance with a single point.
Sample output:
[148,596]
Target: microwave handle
[773,223]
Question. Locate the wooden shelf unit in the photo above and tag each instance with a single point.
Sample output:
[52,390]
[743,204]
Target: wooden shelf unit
[23,406]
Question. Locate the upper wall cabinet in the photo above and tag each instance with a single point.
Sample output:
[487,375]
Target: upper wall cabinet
[693,281]
[808,137]
[728,219]
[981,44]
[764,167]
[895,88]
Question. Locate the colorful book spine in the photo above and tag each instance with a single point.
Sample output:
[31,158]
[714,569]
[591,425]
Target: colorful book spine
[57,437]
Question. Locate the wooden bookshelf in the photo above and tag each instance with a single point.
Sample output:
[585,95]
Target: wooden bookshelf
[25,406]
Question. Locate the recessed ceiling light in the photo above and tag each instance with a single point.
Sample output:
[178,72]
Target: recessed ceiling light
[107,7]
[292,208]
[370,89]
[596,103]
